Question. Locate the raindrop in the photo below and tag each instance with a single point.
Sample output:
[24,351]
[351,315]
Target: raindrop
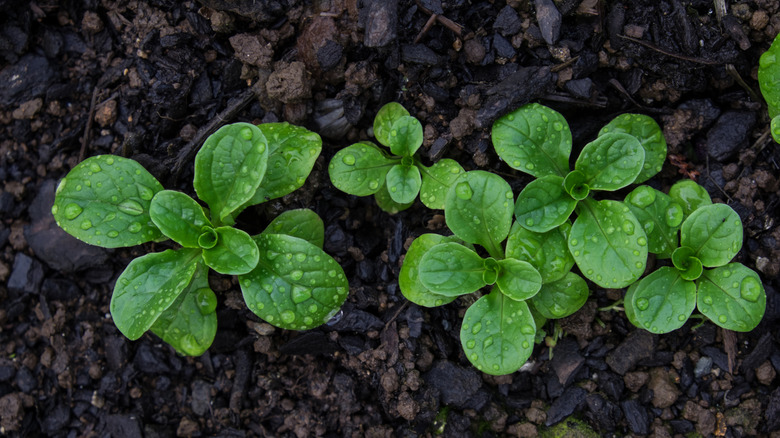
[643,196]
[628,227]
[642,304]
[723,318]
[527,329]
[112,233]
[246,134]
[86,224]
[529,166]
[487,342]
[300,257]
[707,300]
[525,344]
[348,159]
[287,316]
[681,317]
[471,344]
[206,301]
[750,289]
[476,329]
[130,207]
[641,241]
[134,227]
[145,192]
[313,308]
[300,294]
[463,191]
[529,222]
[674,215]
[72,211]
[296,274]
[373,184]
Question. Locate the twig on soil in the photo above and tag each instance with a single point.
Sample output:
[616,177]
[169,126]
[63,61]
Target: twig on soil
[398,312]
[188,151]
[652,46]
[88,129]
[730,347]
[762,141]
[618,86]
[712,180]
[737,77]
[444,21]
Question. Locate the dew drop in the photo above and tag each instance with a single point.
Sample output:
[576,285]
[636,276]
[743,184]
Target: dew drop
[348,159]
[463,191]
[86,224]
[529,222]
[639,265]
[287,316]
[673,215]
[246,134]
[373,184]
[300,294]
[574,242]
[145,192]
[707,300]
[112,233]
[529,166]
[681,317]
[723,318]
[477,328]
[134,227]
[471,344]
[72,211]
[628,227]
[643,196]
[300,257]
[525,344]
[130,207]
[641,241]
[206,301]
[642,304]
[750,289]
[313,308]
[527,329]
[487,342]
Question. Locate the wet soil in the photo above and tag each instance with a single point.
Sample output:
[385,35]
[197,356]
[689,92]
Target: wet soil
[149,79]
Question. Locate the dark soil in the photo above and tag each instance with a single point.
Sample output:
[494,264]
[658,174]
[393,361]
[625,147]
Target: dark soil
[148,79]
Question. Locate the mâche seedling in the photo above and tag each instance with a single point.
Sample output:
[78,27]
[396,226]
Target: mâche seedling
[394,179]
[284,275]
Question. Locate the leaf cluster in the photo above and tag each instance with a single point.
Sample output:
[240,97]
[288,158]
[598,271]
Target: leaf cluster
[285,276]
[395,178]
[769,83]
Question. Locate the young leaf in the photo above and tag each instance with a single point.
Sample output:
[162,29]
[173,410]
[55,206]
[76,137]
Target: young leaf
[662,301]
[104,201]
[301,223]
[774,127]
[769,77]
[498,333]
[611,161]
[179,217]
[235,253]
[295,285]
[451,269]
[534,139]
[386,203]
[479,210]
[229,168]
[732,297]
[649,134]
[406,136]
[547,252]
[543,204]
[360,169]
[660,218]
[518,280]
[292,151]
[715,234]
[689,195]
[409,277]
[561,298]
[383,122]
[148,286]
[608,243]
[437,180]
[190,323]
[403,183]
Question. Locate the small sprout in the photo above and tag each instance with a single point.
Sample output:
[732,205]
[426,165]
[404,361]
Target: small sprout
[769,82]
[397,178]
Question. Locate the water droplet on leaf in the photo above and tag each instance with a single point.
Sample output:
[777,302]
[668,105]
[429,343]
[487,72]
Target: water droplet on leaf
[72,211]
[750,289]
[463,191]
[130,207]
[642,304]
[348,159]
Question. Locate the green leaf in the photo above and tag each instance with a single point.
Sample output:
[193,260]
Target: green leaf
[479,210]
[229,168]
[179,217]
[386,203]
[534,139]
[689,195]
[576,185]
[517,279]
[608,243]
[296,285]
[769,77]
[774,127]
[437,180]
[611,161]
[660,217]
[409,277]
[406,136]
[292,152]
[104,201]
[384,120]
[360,169]
[715,234]
[547,252]
[649,134]
[301,223]
[498,334]
[732,297]
[689,267]
[190,323]
[234,254]
[561,298]
[661,302]
[451,269]
[148,286]
[543,204]
[403,183]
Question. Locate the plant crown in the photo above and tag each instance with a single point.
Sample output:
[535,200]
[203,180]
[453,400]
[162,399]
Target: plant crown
[285,276]
[396,178]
